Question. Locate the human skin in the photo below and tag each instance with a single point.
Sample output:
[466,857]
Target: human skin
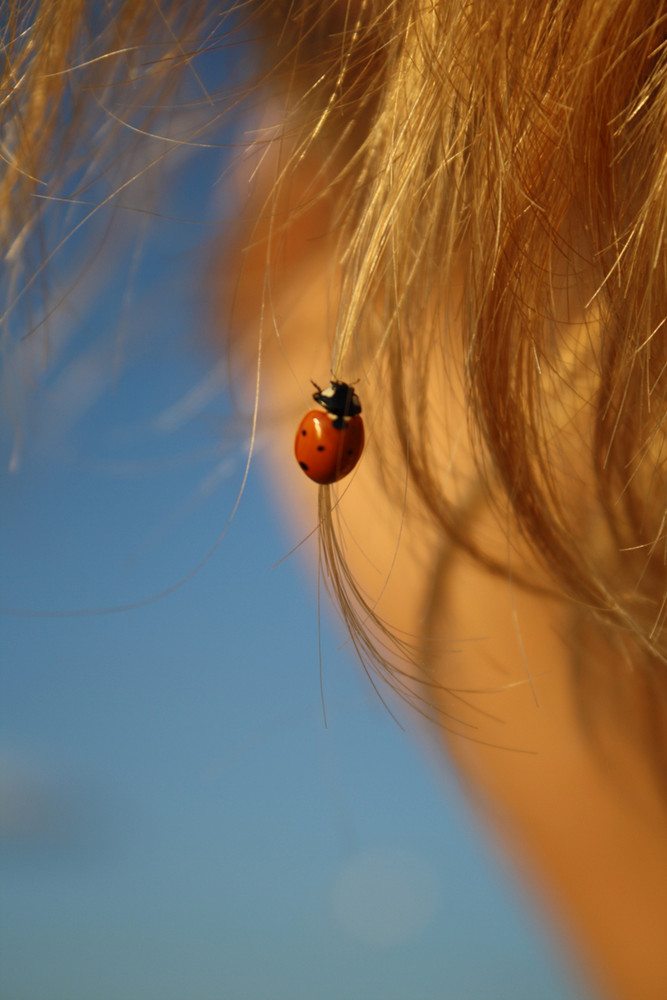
[572,795]
[573,799]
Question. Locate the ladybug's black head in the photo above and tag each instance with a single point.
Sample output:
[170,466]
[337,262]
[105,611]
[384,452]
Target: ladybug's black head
[338,398]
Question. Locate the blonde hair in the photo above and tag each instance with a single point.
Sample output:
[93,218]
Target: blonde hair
[503,164]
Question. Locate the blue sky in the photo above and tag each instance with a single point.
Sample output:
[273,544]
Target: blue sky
[177,820]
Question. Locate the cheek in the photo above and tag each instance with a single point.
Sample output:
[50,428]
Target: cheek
[497,659]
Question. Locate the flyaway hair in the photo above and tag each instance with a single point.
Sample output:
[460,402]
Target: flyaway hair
[496,174]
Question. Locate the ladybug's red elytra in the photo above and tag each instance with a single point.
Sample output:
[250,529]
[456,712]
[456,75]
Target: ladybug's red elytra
[329,442]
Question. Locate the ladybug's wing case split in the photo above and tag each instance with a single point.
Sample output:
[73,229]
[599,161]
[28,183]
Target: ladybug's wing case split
[327,447]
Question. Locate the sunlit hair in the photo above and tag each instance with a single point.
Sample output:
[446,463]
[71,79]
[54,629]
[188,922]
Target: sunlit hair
[497,171]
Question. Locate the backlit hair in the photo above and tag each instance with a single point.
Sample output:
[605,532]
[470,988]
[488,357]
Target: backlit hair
[497,174]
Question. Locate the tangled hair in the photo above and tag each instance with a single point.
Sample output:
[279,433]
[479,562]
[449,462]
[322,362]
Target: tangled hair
[497,176]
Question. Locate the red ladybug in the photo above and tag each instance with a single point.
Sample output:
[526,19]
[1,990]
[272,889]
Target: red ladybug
[329,443]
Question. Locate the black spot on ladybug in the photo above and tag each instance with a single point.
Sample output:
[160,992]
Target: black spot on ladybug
[303,466]
[320,447]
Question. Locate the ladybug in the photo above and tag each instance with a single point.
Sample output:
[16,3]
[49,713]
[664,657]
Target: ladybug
[329,442]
